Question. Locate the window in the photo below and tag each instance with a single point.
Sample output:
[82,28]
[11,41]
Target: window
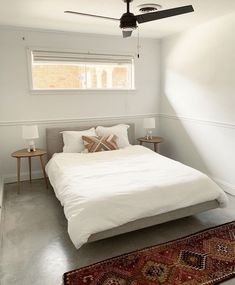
[80,71]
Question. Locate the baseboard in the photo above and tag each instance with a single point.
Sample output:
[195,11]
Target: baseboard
[1,205]
[11,178]
[227,187]
[1,191]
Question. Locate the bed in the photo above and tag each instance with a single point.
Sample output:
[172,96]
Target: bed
[110,193]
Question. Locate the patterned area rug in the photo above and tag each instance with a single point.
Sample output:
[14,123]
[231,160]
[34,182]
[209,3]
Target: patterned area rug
[203,258]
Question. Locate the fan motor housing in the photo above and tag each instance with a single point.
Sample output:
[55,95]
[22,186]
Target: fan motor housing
[128,20]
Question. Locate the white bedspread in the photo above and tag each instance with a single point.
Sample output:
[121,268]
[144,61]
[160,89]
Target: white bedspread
[103,190]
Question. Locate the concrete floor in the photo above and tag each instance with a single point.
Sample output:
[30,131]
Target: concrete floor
[36,248]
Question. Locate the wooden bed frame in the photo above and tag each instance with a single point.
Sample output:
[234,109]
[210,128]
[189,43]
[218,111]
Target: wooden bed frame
[55,145]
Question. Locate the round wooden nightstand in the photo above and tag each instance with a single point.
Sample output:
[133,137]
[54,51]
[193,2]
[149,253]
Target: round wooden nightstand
[23,153]
[154,140]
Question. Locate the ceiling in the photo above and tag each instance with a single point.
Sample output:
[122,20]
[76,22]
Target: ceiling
[49,14]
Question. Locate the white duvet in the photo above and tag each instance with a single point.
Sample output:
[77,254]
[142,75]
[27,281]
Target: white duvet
[100,191]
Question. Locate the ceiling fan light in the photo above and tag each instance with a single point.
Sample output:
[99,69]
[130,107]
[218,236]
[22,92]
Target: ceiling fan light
[129,29]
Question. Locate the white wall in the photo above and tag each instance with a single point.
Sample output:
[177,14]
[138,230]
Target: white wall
[198,98]
[18,106]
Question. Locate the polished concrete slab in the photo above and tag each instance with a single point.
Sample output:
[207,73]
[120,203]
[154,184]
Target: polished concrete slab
[36,249]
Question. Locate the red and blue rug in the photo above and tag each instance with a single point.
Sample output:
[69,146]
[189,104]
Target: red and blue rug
[204,258]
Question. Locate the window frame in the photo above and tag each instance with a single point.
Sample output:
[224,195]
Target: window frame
[29,51]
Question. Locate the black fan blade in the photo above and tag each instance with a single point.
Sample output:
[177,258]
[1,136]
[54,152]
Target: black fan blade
[90,15]
[164,14]
[126,34]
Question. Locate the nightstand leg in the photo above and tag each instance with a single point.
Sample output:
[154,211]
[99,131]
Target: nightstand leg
[18,175]
[43,170]
[30,173]
[156,147]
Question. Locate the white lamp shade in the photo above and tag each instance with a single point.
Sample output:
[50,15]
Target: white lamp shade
[30,132]
[149,123]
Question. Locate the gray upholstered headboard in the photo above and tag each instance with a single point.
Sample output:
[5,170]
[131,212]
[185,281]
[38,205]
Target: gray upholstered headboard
[54,137]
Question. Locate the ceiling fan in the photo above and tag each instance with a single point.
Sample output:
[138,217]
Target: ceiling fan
[128,21]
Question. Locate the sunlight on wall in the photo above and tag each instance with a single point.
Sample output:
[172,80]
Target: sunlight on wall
[198,98]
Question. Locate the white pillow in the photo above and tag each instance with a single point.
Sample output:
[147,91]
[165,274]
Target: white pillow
[119,130]
[73,140]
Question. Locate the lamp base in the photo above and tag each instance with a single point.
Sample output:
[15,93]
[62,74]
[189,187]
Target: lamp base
[31,146]
[149,135]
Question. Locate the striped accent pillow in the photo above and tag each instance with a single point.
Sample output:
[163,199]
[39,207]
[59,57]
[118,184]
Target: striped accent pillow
[102,143]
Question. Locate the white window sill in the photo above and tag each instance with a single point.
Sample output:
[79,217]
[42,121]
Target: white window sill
[80,91]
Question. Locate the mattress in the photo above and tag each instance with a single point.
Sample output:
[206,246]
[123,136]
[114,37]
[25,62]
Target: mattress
[104,190]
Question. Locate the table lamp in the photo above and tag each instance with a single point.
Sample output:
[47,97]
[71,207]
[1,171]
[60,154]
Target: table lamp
[149,124]
[30,133]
